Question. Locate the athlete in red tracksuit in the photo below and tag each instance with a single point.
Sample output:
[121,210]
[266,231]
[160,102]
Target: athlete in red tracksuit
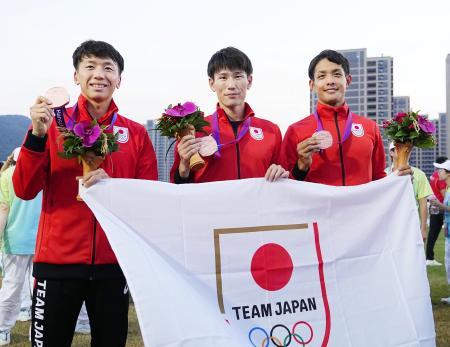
[74,261]
[251,145]
[358,160]
[356,155]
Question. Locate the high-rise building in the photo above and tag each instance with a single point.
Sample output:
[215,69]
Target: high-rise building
[164,149]
[448,99]
[371,92]
[401,104]
[442,134]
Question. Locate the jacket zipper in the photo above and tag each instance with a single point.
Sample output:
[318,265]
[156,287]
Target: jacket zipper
[93,249]
[341,154]
[238,158]
[238,155]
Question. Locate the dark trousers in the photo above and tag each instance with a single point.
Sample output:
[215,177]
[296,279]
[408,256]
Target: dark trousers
[436,222]
[57,303]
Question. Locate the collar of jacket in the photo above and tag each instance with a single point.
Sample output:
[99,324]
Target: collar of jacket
[84,114]
[223,116]
[328,112]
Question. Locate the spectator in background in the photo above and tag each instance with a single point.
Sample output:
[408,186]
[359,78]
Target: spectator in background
[7,163]
[436,219]
[421,187]
[18,223]
[444,175]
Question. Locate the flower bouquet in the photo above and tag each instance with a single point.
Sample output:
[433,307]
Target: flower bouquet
[89,142]
[181,120]
[408,130]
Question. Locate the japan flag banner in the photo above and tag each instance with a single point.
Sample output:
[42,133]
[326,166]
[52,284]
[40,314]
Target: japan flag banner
[250,263]
[272,276]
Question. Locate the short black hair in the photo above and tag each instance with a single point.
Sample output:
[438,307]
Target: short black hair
[334,57]
[441,159]
[229,58]
[99,49]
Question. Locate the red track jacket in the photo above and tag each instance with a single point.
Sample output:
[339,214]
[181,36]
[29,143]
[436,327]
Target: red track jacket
[360,159]
[250,157]
[70,242]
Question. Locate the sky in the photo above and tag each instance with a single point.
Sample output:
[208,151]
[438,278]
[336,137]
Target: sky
[167,45]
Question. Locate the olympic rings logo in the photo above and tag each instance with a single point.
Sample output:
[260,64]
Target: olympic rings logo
[289,337]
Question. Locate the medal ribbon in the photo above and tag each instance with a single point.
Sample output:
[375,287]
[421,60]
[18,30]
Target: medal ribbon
[348,125]
[216,135]
[59,117]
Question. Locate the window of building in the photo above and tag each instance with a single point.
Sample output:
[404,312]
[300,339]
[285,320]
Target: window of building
[351,93]
[371,78]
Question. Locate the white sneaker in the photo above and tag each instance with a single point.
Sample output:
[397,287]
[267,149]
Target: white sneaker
[5,338]
[433,262]
[24,315]
[83,328]
[446,300]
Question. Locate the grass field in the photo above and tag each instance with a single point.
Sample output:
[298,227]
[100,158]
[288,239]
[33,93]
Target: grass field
[436,275]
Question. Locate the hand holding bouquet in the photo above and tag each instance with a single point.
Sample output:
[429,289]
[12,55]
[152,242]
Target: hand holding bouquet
[180,120]
[89,142]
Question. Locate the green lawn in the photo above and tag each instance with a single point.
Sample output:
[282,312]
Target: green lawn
[436,275]
[440,289]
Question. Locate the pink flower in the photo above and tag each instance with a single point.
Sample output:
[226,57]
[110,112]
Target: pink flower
[399,117]
[181,110]
[386,124]
[426,125]
[87,132]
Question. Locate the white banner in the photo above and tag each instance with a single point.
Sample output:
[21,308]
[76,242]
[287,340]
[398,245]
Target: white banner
[252,263]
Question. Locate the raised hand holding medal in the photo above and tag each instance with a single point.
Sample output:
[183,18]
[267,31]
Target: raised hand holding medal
[208,146]
[46,107]
[59,98]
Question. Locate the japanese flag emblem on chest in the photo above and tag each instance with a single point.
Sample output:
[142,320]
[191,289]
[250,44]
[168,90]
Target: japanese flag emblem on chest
[123,134]
[256,133]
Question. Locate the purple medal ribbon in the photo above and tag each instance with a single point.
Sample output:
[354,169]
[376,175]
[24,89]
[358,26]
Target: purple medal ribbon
[348,125]
[59,117]
[216,135]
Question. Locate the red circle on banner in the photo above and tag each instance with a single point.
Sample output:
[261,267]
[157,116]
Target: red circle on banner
[271,267]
